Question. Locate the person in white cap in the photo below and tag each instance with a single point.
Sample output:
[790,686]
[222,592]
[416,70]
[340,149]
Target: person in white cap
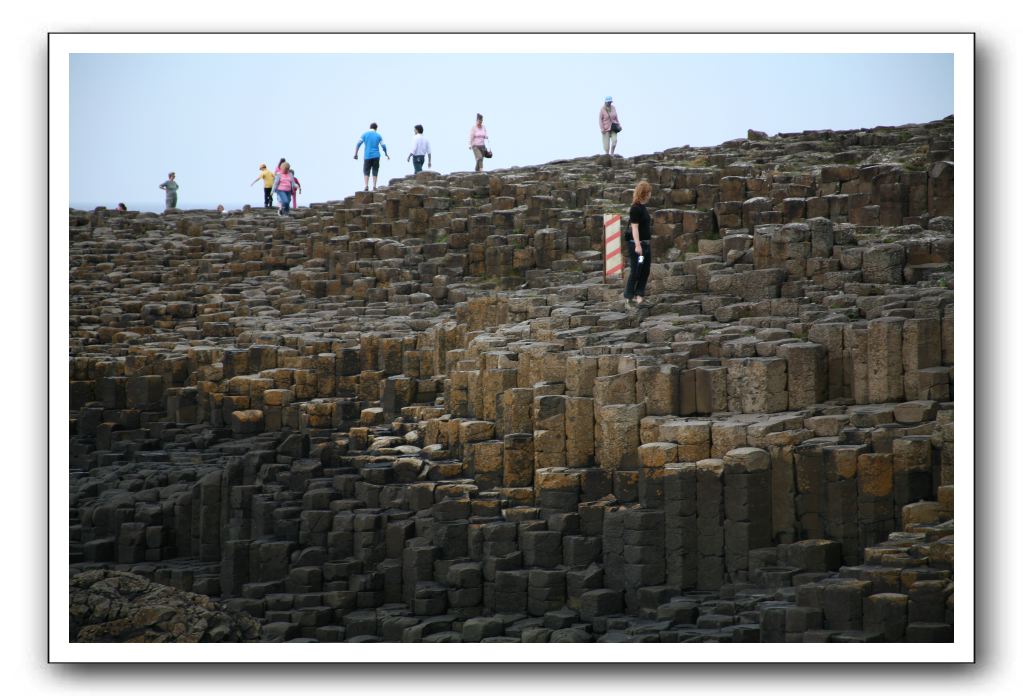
[609,126]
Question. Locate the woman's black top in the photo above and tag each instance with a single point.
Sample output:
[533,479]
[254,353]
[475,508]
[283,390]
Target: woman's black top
[639,215]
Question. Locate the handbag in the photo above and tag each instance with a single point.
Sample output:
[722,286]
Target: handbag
[615,128]
[487,152]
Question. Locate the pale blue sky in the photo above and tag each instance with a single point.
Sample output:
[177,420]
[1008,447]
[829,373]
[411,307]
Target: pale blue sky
[213,118]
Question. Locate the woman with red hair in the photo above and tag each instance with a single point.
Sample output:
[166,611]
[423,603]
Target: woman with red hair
[639,244]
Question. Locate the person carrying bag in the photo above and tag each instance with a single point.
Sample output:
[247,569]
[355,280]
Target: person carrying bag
[478,142]
[610,126]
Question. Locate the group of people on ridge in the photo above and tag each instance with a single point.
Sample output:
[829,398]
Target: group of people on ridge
[286,185]
[610,126]
[420,153]
[283,182]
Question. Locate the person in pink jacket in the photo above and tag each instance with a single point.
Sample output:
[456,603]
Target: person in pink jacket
[284,186]
[478,141]
[609,126]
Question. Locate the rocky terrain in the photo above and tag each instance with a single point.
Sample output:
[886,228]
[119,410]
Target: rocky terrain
[421,414]
[112,606]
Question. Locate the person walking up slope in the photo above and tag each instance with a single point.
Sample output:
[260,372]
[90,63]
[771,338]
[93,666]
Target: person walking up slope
[609,126]
[371,157]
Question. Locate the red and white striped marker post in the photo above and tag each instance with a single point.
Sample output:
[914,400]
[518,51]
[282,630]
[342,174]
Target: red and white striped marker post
[612,246]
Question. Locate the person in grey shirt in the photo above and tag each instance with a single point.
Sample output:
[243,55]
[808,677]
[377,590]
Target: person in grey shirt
[171,187]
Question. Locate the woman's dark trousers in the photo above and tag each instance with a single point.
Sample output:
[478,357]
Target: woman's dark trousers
[638,272]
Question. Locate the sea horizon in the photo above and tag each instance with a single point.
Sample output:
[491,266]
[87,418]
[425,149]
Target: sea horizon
[159,207]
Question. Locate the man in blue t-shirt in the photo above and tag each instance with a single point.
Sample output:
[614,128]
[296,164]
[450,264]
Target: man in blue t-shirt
[371,162]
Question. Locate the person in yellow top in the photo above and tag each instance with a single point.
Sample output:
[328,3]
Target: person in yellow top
[268,183]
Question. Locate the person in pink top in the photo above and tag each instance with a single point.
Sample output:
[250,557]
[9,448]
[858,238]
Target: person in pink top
[478,141]
[277,173]
[284,186]
[609,126]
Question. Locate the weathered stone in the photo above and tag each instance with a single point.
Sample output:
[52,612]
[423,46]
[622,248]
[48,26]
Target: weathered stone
[757,385]
[416,414]
[884,360]
[579,432]
[109,606]
[807,369]
[619,436]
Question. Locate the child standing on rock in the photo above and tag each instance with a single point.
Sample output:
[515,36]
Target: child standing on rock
[268,185]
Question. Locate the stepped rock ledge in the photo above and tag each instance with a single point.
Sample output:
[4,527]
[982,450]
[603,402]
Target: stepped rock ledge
[420,414]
